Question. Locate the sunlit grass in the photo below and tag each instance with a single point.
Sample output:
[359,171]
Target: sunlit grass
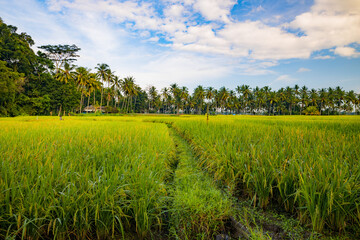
[109,177]
[81,178]
[308,165]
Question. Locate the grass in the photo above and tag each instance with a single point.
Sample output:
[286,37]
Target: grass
[309,167]
[81,179]
[199,208]
[132,177]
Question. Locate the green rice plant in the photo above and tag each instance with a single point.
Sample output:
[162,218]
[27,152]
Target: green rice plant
[81,177]
[308,165]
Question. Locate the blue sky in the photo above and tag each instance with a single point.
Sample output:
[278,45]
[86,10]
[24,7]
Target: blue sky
[215,43]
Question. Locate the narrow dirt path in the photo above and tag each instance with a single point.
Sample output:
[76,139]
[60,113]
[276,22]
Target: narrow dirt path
[200,209]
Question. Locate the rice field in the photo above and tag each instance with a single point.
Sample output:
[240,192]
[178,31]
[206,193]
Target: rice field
[309,166]
[163,177]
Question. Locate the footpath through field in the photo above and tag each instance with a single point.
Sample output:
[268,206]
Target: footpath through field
[200,209]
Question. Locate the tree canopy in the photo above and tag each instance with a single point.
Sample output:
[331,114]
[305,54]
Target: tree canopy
[61,54]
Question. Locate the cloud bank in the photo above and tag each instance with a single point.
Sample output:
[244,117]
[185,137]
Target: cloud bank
[193,40]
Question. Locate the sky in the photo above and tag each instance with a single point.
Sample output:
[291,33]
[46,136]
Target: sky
[216,43]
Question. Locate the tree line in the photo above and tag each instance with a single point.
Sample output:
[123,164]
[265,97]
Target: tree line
[48,82]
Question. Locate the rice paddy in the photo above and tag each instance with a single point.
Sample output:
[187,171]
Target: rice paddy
[179,177]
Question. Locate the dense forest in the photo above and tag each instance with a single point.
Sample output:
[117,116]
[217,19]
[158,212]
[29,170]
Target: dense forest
[48,83]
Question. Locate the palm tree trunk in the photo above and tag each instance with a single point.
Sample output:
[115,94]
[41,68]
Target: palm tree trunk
[128,102]
[94,98]
[81,100]
[290,109]
[60,113]
[102,92]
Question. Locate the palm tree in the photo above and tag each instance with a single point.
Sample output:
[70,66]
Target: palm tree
[351,98]
[174,88]
[116,86]
[110,81]
[209,95]
[245,91]
[303,97]
[67,74]
[281,97]
[130,90]
[340,95]
[165,98]
[92,85]
[82,79]
[272,98]
[152,95]
[357,102]
[102,73]
[184,95]
[322,98]
[223,97]
[261,98]
[199,95]
[290,98]
[313,96]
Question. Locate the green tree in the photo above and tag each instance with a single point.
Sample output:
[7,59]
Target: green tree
[103,72]
[209,95]
[61,54]
[11,83]
[199,95]
[82,76]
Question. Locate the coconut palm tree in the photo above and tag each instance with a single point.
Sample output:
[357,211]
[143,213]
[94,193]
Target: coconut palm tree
[245,92]
[223,97]
[351,98]
[290,98]
[109,89]
[209,95]
[272,98]
[199,95]
[92,85]
[165,98]
[303,97]
[67,74]
[130,90]
[174,89]
[340,95]
[313,97]
[322,98]
[184,95]
[103,74]
[81,80]
[152,96]
[116,86]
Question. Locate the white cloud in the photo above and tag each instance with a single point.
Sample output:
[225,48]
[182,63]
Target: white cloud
[285,79]
[264,42]
[300,70]
[330,23]
[174,11]
[323,26]
[112,31]
[215,9]
[346,52]
[323,57]
[183,68]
